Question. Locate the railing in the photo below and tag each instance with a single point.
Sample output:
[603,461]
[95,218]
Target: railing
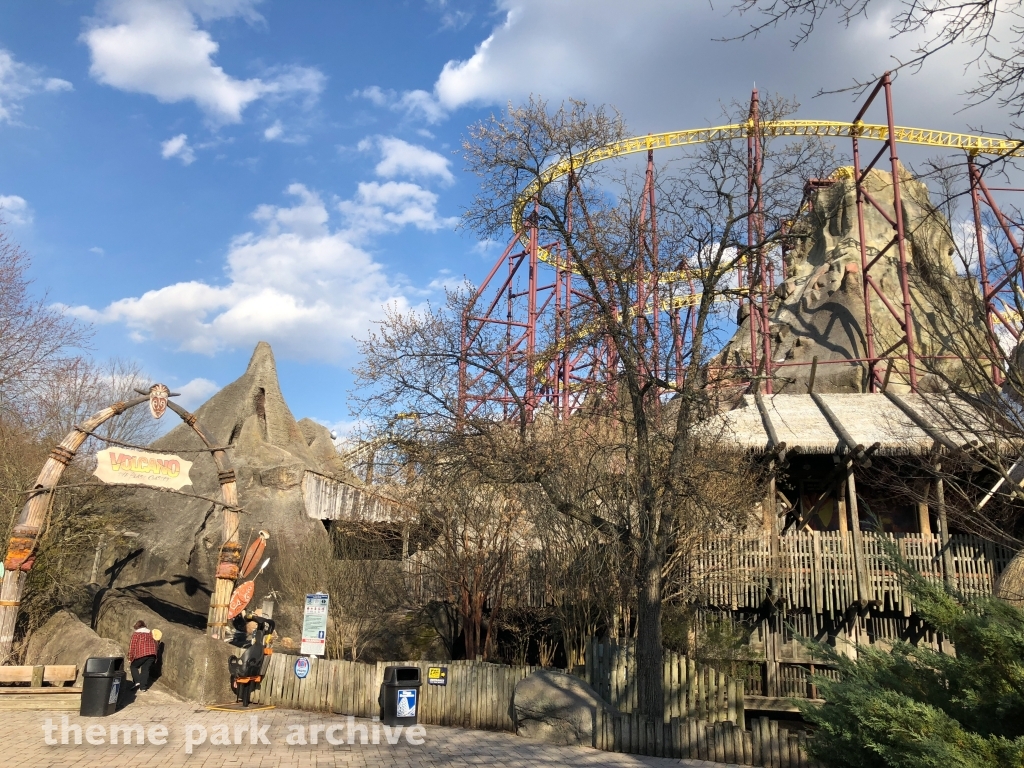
[817,570]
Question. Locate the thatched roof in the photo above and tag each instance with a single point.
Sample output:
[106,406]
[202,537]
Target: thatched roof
[909,424]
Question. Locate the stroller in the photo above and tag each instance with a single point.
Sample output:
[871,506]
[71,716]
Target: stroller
[247,670]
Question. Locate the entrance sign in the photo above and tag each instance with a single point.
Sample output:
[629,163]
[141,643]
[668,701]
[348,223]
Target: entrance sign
[301,667]
[125,466]
[437,675]
[314,625]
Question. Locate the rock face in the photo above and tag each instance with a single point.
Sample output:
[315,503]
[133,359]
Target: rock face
[66,640]
[170,565]
[819,308]
[556,708]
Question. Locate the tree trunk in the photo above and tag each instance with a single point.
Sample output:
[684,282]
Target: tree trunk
[649,660]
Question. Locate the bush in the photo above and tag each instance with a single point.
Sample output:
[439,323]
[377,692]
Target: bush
[913,707]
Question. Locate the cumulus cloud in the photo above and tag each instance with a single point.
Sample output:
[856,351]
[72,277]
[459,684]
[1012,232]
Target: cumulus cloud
[178,146]
[296,281]
[15,210]
[650,61]
[195,392]
[392,205]
[400,158]
[156,47]
[18,81]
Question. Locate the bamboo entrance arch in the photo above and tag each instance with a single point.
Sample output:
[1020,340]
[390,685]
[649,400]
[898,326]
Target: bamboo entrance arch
[25,536]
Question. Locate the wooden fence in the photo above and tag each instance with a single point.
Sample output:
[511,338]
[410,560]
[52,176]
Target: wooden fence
[691,690]
[765,744]
[478,694]
[704,721]
[816,570]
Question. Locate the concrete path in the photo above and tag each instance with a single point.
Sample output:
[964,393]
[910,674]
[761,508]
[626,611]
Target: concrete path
[196,736]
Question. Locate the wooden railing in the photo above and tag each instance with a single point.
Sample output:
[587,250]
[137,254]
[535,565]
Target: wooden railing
[817,570]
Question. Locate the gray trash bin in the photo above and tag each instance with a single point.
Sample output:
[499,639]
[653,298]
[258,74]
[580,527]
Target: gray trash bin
[102,682]
[400,695]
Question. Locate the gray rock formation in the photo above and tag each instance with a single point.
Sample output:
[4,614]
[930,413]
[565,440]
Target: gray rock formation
[63,639]
[556,708]
[170,564]
[191,664]
[818,310]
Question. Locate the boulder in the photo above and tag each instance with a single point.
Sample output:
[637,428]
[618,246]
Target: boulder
[556,708]
[191,664]
[818,309]
[63,639]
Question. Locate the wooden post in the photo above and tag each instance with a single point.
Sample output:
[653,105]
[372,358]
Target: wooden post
[863,593]
[948,569]
[230,551]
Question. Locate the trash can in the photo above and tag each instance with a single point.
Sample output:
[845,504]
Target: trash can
[102,681]
[399,695]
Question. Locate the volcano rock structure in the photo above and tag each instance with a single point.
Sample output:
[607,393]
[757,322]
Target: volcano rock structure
[170,564]
[818,310]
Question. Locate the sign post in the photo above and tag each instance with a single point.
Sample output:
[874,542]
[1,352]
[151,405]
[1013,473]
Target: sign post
[314,625]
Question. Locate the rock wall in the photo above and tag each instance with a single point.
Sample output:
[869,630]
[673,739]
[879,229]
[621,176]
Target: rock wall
[818,310]
[170,564]
[63,639]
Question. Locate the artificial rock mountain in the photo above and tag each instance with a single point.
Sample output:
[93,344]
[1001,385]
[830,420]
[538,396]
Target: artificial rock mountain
[818,310]
[170,564]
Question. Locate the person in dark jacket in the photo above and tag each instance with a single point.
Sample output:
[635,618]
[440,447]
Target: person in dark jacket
[141,653]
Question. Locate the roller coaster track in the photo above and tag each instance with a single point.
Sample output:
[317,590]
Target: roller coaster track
[972,144]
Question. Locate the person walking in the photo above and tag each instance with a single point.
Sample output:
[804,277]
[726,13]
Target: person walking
[141,654]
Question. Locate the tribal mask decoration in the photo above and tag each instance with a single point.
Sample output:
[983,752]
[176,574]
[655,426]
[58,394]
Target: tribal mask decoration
[158,395]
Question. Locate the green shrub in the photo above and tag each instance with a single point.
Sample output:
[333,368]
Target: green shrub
[912,707]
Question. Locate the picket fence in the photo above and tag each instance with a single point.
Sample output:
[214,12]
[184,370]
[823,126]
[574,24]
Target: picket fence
[478,694]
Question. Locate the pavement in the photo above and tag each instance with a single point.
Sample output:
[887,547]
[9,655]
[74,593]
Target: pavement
[193,735]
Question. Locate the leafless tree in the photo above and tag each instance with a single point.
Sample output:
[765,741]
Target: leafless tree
[635,485]
[992,30]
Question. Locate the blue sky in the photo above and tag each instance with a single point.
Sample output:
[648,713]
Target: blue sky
[193,176]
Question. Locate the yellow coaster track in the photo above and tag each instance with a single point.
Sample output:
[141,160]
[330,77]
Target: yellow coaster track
[981,145]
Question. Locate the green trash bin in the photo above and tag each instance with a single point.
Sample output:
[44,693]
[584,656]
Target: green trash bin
[400,695]
[102,681]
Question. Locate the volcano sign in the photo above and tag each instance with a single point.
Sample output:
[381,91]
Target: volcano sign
[124,466]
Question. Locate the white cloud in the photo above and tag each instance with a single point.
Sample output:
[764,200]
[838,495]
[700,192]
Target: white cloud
[195,393]
[392,205]
[15,210]
[97,250]
[274,131]
[56,84]
[18,81]
[400,158]
[300,284]
[653,64]
[178,146]
[156,47]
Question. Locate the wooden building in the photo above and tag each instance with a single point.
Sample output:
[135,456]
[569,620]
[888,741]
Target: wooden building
[850,474]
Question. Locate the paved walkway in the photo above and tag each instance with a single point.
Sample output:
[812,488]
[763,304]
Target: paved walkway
[228,739]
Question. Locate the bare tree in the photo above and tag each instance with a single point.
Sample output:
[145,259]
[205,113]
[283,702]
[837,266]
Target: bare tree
[637,484]
[992,30]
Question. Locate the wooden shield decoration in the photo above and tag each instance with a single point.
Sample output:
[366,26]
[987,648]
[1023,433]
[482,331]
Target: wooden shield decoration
[240,598]
[253,554]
